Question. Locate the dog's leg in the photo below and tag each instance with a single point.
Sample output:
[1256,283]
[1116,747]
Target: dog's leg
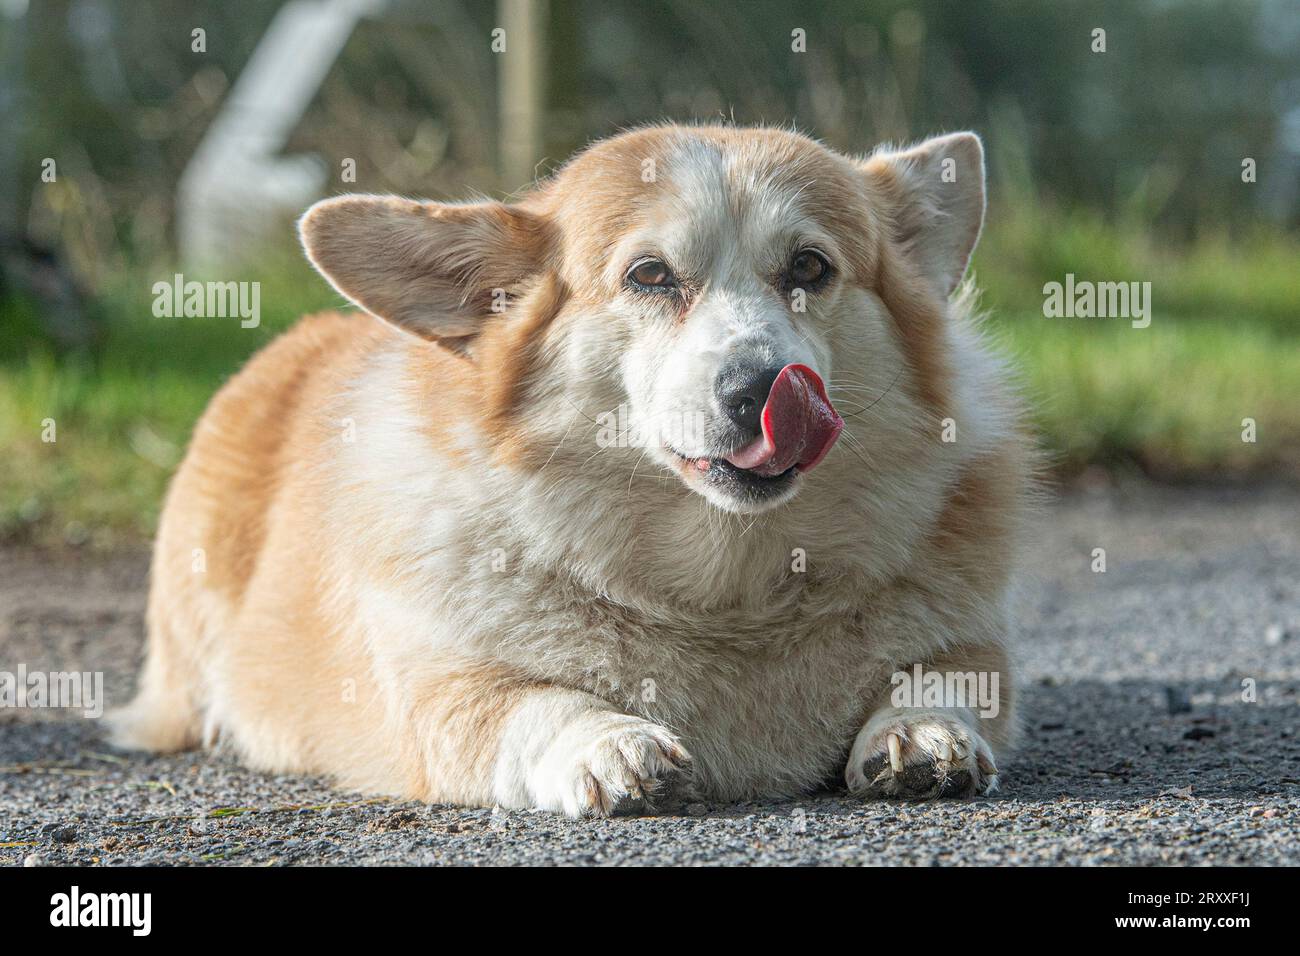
[920,751]
[485,737]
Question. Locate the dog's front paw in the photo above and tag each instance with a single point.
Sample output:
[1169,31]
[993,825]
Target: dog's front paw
[918,754]
[611,764]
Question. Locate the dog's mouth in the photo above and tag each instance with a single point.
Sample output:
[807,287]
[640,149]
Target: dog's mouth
[799,425]
[722,471]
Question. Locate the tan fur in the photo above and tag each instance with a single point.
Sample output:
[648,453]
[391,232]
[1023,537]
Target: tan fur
[472,602]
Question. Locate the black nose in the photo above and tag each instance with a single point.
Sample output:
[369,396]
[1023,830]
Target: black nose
[742,392]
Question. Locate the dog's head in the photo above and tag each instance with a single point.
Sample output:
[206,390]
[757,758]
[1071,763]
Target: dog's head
[704,296]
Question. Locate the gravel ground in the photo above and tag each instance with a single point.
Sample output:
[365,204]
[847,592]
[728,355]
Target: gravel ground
[1138,745]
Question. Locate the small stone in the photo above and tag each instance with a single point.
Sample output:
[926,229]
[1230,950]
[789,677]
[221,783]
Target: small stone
[1275,634]
[33,859]
[64,834]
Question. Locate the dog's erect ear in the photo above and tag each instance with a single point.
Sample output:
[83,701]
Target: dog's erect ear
[936,195]
[436,270]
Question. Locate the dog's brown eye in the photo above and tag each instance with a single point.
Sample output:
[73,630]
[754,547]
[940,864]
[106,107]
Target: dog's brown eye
[808,269]
[652,273]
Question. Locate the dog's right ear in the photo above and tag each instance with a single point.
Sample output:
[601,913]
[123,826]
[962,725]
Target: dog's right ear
[436,270]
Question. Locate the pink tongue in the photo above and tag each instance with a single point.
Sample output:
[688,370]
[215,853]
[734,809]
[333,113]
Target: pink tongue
[799,425]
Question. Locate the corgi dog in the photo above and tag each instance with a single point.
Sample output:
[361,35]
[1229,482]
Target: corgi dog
[661,476]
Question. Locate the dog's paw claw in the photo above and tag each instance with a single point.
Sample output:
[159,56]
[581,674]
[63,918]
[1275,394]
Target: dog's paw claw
[920,755]
[895,752]
[620,770]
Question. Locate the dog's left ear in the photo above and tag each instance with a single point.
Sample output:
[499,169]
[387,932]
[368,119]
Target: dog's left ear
[935,192]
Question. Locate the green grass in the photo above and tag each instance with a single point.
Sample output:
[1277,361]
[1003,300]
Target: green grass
[123,414]
[1169,398]
[1253,280]
[1223,345]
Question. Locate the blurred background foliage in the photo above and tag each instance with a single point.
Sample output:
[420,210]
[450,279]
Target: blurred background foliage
[1117,166]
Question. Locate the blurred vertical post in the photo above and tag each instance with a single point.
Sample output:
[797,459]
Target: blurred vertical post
[522,89]
[237,181]
[13,42]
